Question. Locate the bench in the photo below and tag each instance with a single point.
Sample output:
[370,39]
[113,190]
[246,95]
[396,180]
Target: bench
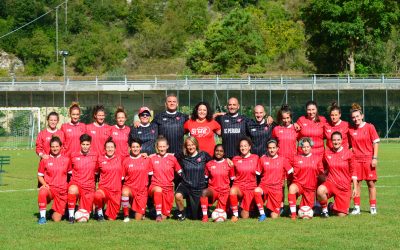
[4,160]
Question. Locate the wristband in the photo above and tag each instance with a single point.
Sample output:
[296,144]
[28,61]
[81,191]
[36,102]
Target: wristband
[374,158]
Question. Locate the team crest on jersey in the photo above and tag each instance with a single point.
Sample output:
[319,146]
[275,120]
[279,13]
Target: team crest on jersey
[178,118]
[198,159]
[153,131]
[266,128]
[239,120]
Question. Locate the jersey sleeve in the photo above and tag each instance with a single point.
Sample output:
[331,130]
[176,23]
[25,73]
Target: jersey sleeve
[351,162]
[320,167]
[39,144]
[149,166]
[231,172]
[259,168]
[186,126]
[287,165]
[373,134]
[41,168]
[177,167]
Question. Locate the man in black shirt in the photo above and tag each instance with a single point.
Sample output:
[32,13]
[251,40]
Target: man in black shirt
[259,130]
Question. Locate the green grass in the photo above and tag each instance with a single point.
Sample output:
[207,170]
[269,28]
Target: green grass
[19,229]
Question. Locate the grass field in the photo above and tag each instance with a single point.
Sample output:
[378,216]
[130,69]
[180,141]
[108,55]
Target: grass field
[19,228]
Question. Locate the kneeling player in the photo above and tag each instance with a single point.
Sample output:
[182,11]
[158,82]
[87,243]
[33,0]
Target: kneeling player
[82,184]
[339,164]
[109,190]
[273,169]
[161,187]
[246,165]
[52,175]
[136,172]
[218,173]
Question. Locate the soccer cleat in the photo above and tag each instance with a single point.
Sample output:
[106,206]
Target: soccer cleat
[100,218]
[324,215]
[262,218]
[234,219]
[159,218]
[181,217]
[42,220]
[281,211]
[71,220]
[373,211]
[126,219]
[356,211]
[293,217]
[204,219]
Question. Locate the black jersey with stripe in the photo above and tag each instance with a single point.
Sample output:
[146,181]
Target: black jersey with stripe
[193,168]
[148,135]
[260,134]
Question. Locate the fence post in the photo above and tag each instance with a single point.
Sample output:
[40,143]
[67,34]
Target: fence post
[126,80]
[97,81]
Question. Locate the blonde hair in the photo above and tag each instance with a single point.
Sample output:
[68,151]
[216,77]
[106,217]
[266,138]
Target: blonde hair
[193,140]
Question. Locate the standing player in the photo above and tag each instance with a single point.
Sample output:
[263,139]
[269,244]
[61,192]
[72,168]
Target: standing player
[365,143]
[109,167]
[336,124]
[306,168]
[312,125]
[338,163]
[259,130]
[44,137]
[99,130]
[82,184]
[170,124]
[136,173]
[193,182]
[52,175]
[73,130]
[202,126]
[245,181]
[233,127]
[161,188]
[120,133]
[218,172]
[147,132]
[273,169]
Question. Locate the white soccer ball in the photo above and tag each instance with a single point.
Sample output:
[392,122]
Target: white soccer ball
[219,215]
[82,215]
[305,212]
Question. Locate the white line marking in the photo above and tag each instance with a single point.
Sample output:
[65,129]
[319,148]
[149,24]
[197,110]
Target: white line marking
[388,176]
[18,190]
[387,186]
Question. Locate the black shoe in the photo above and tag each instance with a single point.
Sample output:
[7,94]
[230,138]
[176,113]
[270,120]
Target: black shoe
[330,208]
[100,218]
[71,220]
[181,217]
[324,215]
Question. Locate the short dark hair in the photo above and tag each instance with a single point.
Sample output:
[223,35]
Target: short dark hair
[85,137]
[110,139]
[55,138]
[245,138]
[53,113]
[134,140]
[336,133]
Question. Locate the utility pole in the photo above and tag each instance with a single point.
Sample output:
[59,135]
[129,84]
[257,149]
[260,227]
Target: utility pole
[57,33]
[66,16]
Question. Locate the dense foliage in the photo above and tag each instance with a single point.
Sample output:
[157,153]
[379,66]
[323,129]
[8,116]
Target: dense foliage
[116,37]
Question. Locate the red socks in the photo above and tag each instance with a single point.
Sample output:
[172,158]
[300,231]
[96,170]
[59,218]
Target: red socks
[42,199]
[234,204]
[372,203]
[357,201]
[292,203]
[259,202]
[204,205]
[158,202]
[71,201]
[125,205]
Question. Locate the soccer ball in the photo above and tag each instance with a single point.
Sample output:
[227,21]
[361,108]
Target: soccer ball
[305,212]
[81,215]
[219,215]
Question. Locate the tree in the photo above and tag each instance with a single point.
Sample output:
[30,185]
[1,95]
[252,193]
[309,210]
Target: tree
[339,30]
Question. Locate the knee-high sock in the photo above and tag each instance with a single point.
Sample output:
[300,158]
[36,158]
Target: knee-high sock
[234,204]
[158,202]
[259,202]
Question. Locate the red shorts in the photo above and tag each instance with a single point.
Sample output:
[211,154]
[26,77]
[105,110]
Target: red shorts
[85,198]
[273,197]
[307,196]
[112,201]
[247,198]
[138,200]
[365,171]
[222,198]
[342,198]
[167,199]
[59,198]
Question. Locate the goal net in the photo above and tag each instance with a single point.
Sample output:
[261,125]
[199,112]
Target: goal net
[19,127]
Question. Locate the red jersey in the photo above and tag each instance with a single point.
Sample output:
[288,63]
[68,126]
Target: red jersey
[342,127]
[99,136]
[306,169]
[204,133]
[54,170]
[83,170]
[340,168]
[43,140]
[273,171]
[72,132]
[245,171]
[362,139]
[287,140]
[120,137]
[219,174]
[136,172]
[110,170]
[163,170]
[314,130]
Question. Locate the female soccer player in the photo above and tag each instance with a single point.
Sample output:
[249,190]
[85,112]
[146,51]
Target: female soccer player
[120,133]
[202,126]
[365,143]
[99,130]
[193,182]
[273,169]
[336,124]
[306,168]
[338,163]
[44,136]
[161,187]
[147,132]
[52,174]
[136,173]
[109,167]
[82,184]
[218,172]
[312,125]
[73,130]
[246,166]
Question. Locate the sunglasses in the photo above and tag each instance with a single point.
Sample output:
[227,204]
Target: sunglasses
[144,115]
